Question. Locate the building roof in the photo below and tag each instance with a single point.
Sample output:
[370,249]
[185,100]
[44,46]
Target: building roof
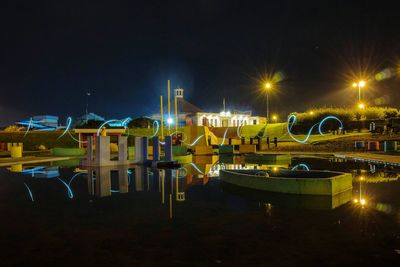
[187,107]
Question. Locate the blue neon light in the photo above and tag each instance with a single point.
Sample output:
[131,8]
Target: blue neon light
[292,121]
[30,192]
[70,193]
[301,165]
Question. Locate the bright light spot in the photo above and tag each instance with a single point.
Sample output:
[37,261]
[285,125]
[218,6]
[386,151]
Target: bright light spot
[361,83]
[361,106]
[363,202]
[362,178]
[170,120]
[228,113]
[274,169]
[355,200]
[274,117]
[355,84]
[311,112]
[268,85]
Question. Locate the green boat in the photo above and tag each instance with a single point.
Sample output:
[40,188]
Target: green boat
[290,181]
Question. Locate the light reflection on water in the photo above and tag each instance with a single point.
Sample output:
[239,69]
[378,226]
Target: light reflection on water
[372,183]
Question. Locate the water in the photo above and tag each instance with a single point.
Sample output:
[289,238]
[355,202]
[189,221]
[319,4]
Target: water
[62,215]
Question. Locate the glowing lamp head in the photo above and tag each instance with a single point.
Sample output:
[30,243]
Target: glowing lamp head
[311,112]
[363,202]
[361,84]
[361,106]
[170,121]
[355,85]
[268,85]
[355,200]
[274,117]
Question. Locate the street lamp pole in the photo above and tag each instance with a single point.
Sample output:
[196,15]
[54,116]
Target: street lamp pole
[267,107]
[359,84]
[267,86]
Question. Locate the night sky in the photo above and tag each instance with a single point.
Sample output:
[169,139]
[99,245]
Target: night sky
[53,52]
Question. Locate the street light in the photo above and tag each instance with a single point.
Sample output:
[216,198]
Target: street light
[360,85]
[274,118]
[267,88]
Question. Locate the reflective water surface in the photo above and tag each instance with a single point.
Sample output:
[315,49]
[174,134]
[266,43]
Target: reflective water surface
[65,214]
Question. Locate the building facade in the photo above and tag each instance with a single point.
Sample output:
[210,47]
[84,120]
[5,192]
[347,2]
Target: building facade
[189,114]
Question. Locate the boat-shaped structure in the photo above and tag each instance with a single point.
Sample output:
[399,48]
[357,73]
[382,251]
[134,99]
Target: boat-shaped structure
[290,181]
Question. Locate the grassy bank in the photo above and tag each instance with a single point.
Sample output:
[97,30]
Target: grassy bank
[33,140]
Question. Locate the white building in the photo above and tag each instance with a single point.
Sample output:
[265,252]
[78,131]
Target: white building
[227,119]
[189,114]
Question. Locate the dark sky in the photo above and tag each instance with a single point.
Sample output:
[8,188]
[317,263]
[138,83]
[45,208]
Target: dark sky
[53,52]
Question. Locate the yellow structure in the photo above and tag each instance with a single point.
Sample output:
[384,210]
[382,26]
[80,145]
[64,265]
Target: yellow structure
[194,132]
[103,131]
[247,148]
[16,168]
[161,118]
[203,150]
[16,151]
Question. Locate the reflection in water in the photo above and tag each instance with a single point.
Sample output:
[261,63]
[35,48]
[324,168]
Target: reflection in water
[173,185]
[314,202]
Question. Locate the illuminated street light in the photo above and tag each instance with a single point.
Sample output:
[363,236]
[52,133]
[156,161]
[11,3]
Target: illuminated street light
[268,86]
[274,118]
[361,105]
[170,121]
[360,85]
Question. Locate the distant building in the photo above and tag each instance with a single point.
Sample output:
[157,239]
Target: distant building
[41,122]
[189,114]
[227,119]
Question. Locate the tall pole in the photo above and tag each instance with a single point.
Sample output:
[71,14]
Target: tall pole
[169,104]
[176,115]
[87,105]
[161,117]
[267,108]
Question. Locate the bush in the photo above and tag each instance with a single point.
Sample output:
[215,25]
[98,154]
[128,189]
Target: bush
[305,120]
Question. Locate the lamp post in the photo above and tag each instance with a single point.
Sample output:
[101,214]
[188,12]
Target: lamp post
[267,88]
[360,85]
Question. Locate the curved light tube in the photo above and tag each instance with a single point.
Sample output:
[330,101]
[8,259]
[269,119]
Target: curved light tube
[70,194]
[69,122]
[30,192]
[196,140]
[304,166]
[328,118]
[29,127]
[195,166]
[223,139]
[292,121]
